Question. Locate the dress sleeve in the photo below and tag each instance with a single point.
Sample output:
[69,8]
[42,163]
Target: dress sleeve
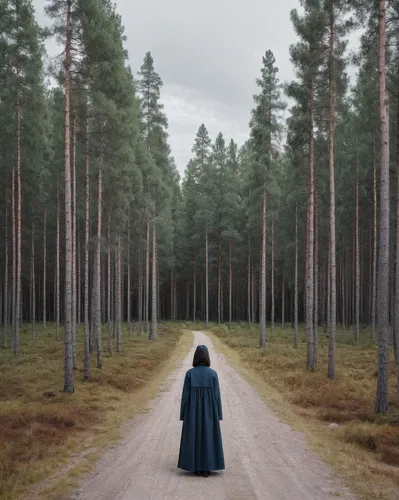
[185,396]
[217,396]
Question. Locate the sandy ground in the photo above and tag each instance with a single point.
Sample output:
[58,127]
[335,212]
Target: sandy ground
[265,458]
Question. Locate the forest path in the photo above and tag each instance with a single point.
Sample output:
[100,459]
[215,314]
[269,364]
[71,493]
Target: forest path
[265,458]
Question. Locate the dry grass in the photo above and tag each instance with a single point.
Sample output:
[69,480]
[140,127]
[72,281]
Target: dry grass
[41,427]
[365,447]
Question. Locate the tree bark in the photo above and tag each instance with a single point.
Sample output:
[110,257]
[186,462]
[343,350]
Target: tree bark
[220,276]
[194,292]
[230,285]
[86,260]
[14,259]
[109,295]
[97,270]
[396,295]
[74,245]
[154,308]
[374,294]
[206,280]
[310,354]
[383,253]
[272,291]
[296,279]
[129,301]
[147,277]
[357,250]
[118,296]
[45,267]
[6,301]
[249,284]
[19,244]
[57,265]
[262,340]
[33,316]
[68,370]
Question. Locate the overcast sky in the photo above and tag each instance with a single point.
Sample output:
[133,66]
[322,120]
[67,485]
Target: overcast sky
[208,54]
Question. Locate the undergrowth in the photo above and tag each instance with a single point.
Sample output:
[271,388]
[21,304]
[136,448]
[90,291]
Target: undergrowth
[348,401]
[40,425]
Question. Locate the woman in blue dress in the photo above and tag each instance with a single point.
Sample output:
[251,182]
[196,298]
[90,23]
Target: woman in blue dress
[201,448]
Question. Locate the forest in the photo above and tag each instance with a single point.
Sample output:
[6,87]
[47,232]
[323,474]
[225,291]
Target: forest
[297,225]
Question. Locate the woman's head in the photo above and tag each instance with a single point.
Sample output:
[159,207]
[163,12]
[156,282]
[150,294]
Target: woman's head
[201,356]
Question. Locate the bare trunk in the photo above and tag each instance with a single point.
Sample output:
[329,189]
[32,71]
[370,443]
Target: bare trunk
[129,299]
[79,284]
[310,355]
[262,340]
[273,301]
[249,285]
[316,279]
[220,276]
[118,298]
[154,308]
[187,300]
[14,259]
[147,277]
[140,291]
[45,267]
[68,371]
[33,292]
[296,280]
[86,259]
[357,306]
[194,293]
[374,294]
[206,280]
[97,270]
[230,286]
[383,253]
[74,245]
[19,245]
[109,288]
[57,266]
[332,254]
[283,302]
[6,301]
[396,294]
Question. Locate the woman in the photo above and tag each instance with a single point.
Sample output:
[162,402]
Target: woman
[201,449]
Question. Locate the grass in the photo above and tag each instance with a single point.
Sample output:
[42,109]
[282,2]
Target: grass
[41,427]
[365,446]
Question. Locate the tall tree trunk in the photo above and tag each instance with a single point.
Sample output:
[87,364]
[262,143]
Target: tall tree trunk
[273,301]
[79,284]
[374,294]
[33,316]
[118,296]
[129,299]
[310,355]
[68,371]
[147,277]
[357,306]
[383,253]
[57,265]
[154,308]
[230,285]
[396,295]
[249,284]
[343,294]
[283,302]
[262,340]
[19,245]
[296,279]
[332,250]
[206,279]
[316,279]
[220,276]
[194,291]
[97,271]
[86,259]
[45,266]
[74,245]
[109,300]
[140,290]
[14,259]
[6,301]
[187,300]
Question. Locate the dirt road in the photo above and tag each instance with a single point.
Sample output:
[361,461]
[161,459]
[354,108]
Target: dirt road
[265,459]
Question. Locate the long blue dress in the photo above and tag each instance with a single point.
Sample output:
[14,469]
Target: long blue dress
[201,447]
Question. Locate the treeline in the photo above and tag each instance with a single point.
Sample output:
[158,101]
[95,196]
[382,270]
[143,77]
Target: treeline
[99,229]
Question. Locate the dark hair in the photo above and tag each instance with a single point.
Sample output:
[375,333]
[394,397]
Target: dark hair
[201,356]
